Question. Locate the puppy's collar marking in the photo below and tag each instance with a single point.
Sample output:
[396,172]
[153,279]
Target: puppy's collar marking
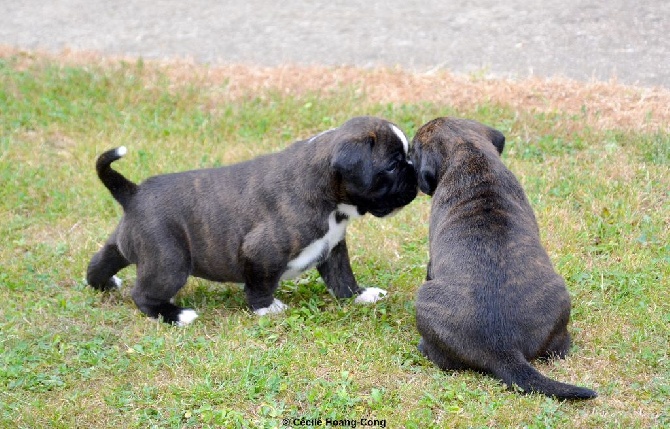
[401,136]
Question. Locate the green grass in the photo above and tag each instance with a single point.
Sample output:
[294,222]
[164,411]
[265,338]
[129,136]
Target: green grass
[71,357]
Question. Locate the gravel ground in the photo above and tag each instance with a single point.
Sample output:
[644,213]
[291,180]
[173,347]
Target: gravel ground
[578,39]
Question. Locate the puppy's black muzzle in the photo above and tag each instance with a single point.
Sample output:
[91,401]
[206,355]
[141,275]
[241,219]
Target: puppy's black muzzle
[398,194]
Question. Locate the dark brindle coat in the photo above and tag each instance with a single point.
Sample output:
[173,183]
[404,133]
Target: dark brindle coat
[492,300]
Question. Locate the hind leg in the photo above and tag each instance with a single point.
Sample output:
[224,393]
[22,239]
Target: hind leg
[558,346]
[103,267]
[158,281]
[439,356]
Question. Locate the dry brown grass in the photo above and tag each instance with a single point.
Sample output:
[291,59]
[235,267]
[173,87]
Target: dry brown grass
[604,105]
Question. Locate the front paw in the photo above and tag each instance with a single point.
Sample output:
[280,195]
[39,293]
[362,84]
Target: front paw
[370,295]
[115,282]
[276,307]
[186,316]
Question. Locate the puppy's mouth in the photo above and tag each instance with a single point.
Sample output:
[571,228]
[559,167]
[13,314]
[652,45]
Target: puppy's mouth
[388,196]
[428,191]
[395,204]
[386,212]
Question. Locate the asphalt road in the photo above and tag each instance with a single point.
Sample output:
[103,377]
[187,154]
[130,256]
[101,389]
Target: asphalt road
[580,39]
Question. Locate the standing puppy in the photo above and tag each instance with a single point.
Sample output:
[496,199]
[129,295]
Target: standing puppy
[492,300]
[255,222]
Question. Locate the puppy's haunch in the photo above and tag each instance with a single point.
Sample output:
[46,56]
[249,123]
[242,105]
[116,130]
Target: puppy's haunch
[492,300]
[255,222]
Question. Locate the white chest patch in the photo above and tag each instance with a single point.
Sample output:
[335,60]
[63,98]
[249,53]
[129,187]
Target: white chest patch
[318,250]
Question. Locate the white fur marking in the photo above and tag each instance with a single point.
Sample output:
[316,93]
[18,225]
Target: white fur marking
[117,282]
[401,136]
[121,151]
[319,135]
[370,295]
[314,252]
[276,307]
[349,210]
[186,317]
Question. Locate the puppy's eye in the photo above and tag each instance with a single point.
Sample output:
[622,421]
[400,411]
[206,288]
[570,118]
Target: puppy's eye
[392,167]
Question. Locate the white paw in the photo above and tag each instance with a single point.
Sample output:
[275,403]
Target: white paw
[186,317]
[370,295]
[117,282]
[276,307]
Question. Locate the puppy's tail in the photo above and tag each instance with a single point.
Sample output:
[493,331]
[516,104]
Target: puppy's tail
[515,369]
[121,188]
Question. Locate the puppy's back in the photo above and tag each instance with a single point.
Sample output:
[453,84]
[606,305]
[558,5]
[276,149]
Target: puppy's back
[492,300]
[484,235]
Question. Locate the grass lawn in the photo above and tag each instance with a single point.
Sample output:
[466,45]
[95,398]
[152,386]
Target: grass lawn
[72,357]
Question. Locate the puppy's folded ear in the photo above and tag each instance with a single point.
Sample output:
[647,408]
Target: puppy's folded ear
[353,164]
[497,138]
[427,179]
[426,169]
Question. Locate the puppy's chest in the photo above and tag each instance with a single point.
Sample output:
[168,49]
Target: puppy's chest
[318,250]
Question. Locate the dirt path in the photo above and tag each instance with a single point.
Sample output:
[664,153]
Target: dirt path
[583,40]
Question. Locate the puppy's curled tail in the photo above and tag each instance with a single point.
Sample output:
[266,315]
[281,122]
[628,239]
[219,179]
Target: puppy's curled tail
[515,369]
[121,188]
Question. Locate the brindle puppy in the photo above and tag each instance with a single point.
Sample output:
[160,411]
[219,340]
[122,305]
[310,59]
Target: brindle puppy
[258,222]
[492,300]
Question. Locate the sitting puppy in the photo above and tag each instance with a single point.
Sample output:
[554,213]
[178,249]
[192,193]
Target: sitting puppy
[492,300]
[256,222]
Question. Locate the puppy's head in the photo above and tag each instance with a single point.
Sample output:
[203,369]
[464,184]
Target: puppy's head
[435,142]
[370,160]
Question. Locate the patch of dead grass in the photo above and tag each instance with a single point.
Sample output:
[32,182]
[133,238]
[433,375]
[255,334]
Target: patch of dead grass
[603,105]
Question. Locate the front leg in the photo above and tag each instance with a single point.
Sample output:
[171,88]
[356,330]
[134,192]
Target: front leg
[339,278]
[262,270]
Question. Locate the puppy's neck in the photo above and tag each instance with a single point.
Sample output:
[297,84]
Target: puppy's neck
[469,163]
[470,175]
[316,165]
